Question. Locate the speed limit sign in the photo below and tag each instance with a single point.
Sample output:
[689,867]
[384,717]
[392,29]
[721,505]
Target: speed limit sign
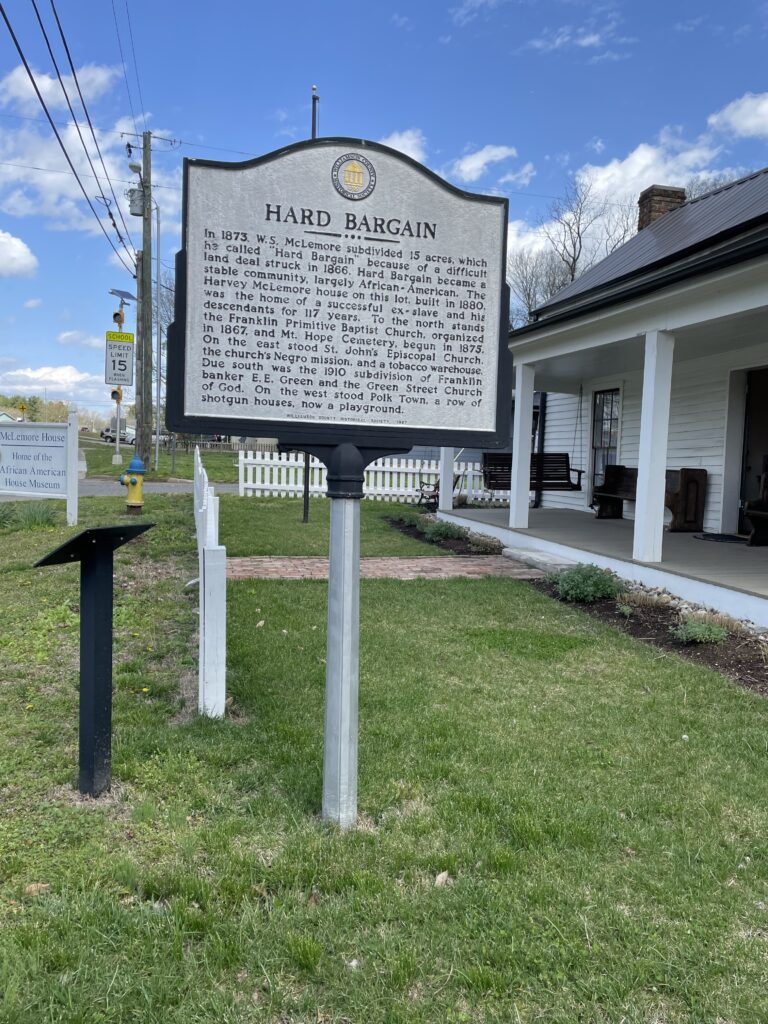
[119,358]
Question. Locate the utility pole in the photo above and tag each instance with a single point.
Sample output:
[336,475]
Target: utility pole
[144,428]
[137,401]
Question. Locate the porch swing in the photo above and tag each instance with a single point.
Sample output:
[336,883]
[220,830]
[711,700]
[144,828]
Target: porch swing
[550,471]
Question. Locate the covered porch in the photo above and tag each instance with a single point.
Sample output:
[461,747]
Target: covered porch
[732,578]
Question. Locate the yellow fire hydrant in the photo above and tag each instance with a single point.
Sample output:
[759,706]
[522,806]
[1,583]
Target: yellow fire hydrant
[133,479]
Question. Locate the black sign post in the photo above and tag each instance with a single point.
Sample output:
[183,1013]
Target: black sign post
[93,549]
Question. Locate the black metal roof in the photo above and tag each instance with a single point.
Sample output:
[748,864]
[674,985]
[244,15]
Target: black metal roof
[698,224]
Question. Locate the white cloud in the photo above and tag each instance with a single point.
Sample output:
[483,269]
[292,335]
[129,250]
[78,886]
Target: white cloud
[16,258]
[16,89]
[592,35]
[523,177]
[521,235]
[473,165]
[53,193]
[80,338]
[66,383]
[33,303]
[467,10]
[411,142]
[597,144]
[746,117]
[401,21]
[671,160]
[690,25]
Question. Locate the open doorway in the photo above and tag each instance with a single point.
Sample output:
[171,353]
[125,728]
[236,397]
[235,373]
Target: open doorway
[755,460]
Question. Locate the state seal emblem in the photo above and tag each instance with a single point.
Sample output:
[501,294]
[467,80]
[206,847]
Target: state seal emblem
[353,176]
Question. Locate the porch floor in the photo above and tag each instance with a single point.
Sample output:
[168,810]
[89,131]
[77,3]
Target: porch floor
[735,566]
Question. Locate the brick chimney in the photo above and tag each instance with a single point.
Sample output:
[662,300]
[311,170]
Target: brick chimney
[655,201]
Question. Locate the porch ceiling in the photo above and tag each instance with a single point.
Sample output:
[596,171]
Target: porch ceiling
[565,372]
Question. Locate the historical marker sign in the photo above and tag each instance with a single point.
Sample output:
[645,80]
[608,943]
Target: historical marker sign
[39,460]
[338,291]
[118,367]
[33,459]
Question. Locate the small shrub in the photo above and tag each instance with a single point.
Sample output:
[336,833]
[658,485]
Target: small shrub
[35,514]
[698,631]
[6,515]
[485,545]
[438,530]
[625,610]
[585,584]
[407,516]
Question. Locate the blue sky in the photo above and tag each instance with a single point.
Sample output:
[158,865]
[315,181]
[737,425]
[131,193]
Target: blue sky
[497,95]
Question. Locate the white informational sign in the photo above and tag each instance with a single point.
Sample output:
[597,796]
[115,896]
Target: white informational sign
[39,460]
[342,284]
[118,367]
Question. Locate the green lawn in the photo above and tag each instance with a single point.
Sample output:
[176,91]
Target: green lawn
[600,809]
[273,526]
[220,466]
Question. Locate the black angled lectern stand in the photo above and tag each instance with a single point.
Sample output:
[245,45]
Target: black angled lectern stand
[93,549]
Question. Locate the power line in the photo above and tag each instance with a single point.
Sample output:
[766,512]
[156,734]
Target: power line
[125,73]
[77,126]
[62,170]
[58,137]
[90,124]
[136,67]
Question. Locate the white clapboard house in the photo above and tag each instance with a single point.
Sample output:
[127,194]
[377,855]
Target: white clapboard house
[655,359]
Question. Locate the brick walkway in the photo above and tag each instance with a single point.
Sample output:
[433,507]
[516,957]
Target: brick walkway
[447,567]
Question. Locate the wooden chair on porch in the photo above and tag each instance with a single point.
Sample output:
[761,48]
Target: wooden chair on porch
[757,512]
[429,492]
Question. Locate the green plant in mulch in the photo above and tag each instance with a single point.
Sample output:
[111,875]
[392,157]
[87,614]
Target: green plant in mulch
[485,545]
[625,610]
[585,584]
[697,631]
[35,514]
[410,517]
[439,530]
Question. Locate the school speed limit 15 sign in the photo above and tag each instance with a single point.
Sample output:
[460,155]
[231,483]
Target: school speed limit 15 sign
[119,358]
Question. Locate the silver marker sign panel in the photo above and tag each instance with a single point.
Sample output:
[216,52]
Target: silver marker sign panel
[337,291]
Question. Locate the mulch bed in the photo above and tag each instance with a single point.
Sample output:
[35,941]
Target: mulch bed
[741,657]
[456,545]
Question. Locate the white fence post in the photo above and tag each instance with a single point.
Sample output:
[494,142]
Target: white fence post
[72,485]
[213,632]
[212,583]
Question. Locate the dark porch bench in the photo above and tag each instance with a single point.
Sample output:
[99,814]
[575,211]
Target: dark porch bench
[684,494]
[757,513]
[550,471]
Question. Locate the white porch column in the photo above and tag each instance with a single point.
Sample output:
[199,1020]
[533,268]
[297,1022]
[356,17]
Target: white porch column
[520,492]
[654,433]
[445,502]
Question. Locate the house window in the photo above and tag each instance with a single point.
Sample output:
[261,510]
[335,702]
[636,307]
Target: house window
[605,433]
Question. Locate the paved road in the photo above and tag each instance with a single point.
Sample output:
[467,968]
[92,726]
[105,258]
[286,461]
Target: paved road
[105,487]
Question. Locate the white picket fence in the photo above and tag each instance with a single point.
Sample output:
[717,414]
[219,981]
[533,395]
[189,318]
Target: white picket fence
[212,561]
[392,479]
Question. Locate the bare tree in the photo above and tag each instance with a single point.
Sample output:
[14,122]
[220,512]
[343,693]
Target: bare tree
[164,312]
[619,225]
[533,278]
[700,184]
[570,223]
